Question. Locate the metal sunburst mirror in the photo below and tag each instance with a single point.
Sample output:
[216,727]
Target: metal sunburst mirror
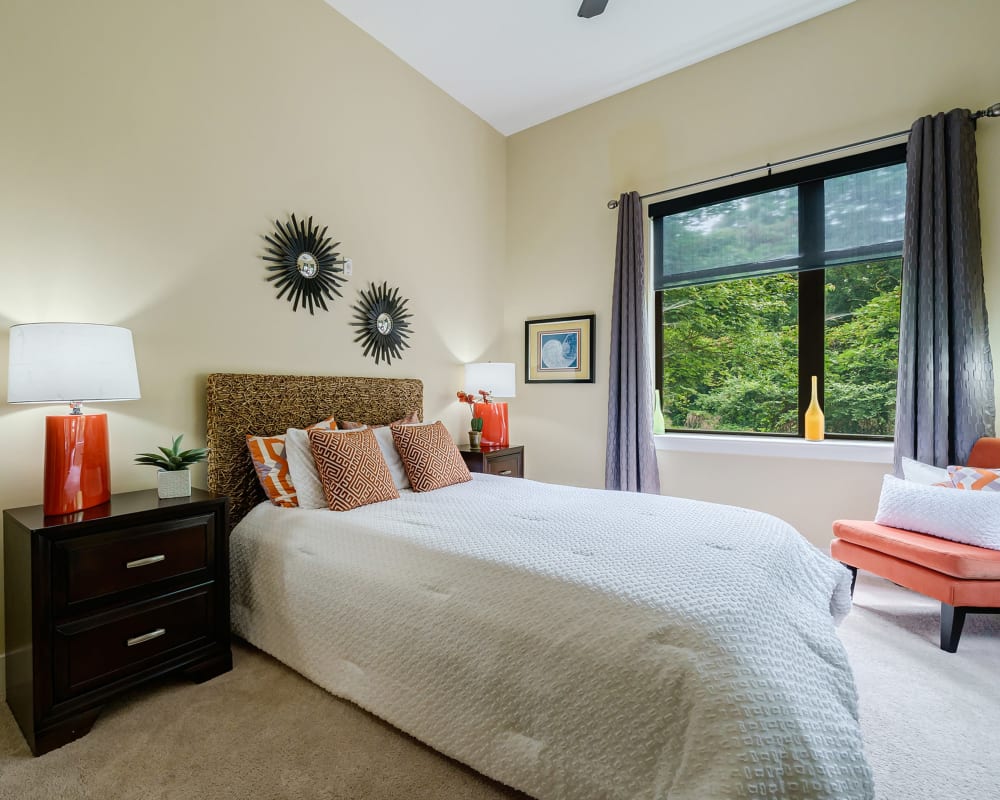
[305,264]
[382,323]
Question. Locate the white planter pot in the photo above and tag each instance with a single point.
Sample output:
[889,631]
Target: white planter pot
[173,483]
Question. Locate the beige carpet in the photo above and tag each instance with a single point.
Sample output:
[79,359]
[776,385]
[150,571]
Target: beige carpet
[261,731]
[931,719]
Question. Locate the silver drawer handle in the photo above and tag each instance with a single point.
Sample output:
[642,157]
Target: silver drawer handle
[145,637]
[504,472]
[144,562]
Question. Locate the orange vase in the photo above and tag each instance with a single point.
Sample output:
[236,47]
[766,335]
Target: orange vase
[77,473]
[494,417]
[815,422]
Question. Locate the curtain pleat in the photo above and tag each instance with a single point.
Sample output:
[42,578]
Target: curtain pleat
[631,454]
[945,395]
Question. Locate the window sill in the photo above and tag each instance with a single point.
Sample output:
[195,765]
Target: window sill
[777,447]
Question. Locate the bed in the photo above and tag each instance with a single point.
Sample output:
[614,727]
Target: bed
[575,644]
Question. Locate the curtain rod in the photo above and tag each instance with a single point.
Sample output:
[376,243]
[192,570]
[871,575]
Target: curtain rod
[992,111]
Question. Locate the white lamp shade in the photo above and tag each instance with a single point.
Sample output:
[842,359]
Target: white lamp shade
[71,362]
[495,377]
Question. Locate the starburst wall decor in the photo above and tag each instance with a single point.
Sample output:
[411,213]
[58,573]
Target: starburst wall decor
[382,323]
[306,266]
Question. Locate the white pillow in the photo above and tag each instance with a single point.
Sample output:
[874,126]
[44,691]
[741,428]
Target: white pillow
[967,517]
[302,469]
[919,472]
[383,436]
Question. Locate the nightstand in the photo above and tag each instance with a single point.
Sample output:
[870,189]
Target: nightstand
[100,601]
[508,461]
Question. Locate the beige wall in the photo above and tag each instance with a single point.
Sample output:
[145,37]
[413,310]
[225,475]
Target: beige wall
[864,70]
[145,147]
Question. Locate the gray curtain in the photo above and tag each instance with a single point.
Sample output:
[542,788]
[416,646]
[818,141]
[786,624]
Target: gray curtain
[945,395]
[631,455]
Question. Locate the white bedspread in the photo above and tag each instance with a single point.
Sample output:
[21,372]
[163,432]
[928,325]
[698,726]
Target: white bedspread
[576,644]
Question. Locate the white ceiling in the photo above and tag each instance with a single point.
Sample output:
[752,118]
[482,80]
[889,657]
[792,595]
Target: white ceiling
[517,63]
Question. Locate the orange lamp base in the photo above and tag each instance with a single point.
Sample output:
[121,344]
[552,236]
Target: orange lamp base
[495,430]
[77,472]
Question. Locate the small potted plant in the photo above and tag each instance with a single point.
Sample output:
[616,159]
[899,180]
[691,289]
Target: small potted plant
[173,478]
[476,426]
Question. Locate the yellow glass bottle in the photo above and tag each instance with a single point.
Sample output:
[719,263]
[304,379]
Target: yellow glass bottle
[814,417]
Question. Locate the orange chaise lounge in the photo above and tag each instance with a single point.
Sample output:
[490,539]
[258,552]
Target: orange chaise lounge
[964,578]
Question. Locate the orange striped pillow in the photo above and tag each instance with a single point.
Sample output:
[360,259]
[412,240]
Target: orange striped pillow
[430,457]
[351,468]
[271,465]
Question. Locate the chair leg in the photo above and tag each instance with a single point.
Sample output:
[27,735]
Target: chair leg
[952,622]
[854,576]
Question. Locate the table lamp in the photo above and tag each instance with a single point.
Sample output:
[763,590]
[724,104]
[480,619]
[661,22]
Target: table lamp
[498,379]
[52,362]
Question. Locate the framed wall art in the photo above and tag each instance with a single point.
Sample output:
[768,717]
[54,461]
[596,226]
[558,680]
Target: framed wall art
[559,350]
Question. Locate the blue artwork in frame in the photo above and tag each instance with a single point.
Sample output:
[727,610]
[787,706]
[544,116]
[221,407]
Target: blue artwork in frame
[559,350]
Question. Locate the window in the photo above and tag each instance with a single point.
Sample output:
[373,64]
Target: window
[763,284]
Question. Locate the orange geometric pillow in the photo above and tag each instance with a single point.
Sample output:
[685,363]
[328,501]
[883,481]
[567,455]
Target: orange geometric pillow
[430,457]
[351,469]
[271,465]
[410,419]
[975,478]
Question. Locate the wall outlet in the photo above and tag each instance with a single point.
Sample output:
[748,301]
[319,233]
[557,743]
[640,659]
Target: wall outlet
[348,267]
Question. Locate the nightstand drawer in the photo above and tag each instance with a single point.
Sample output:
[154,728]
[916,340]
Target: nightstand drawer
[508,465]
[89,567]
[100,649]
[505,461]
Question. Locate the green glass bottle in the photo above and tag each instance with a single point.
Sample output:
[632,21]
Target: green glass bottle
[659,426]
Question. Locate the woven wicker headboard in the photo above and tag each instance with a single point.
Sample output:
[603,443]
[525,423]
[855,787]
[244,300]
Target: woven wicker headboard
[265,405]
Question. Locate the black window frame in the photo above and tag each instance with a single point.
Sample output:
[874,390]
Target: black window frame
[811,273]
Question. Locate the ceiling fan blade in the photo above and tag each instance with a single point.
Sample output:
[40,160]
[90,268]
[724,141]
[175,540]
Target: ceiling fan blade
[591,8]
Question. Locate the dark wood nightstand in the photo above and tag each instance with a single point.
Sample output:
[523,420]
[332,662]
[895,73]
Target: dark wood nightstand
[105,599]
[508,461]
